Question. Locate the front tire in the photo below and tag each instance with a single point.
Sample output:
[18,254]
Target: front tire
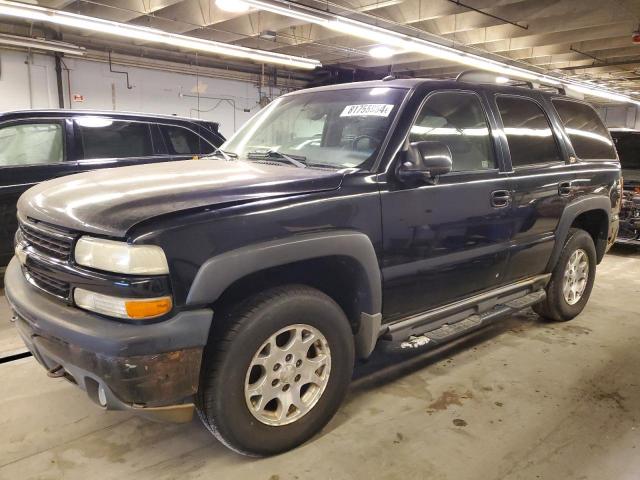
[276,370]
[571,280]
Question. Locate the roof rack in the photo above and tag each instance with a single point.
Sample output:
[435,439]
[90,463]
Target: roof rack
[482,76]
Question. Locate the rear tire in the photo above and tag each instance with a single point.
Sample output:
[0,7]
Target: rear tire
[571,280]
[292,343]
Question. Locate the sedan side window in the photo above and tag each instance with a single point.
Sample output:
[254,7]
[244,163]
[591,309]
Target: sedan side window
[457,119]
[182,141]
[106,138]
[31,144]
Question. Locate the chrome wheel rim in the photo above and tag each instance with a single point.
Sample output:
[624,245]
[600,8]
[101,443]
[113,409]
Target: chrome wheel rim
[288,375]
[576,275]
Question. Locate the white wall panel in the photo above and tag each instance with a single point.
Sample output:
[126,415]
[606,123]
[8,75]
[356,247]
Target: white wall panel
[153,91]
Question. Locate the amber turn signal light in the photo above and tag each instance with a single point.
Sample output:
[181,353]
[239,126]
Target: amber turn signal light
[148,308]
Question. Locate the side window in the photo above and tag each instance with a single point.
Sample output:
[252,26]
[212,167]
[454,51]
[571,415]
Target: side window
[106,138]
[182,141]
[31,144]
[588,135]
[528,132]
[457,119]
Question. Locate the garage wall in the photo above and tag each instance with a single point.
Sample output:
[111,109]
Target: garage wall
[621,116]
[30,82]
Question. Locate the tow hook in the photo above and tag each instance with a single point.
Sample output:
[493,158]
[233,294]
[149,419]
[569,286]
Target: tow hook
[56,372]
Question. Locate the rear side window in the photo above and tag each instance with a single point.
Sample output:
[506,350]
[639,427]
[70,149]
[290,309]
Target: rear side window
[182,141]
[588,135]
[31,144]
[528,132]
[457,119]
[106,138]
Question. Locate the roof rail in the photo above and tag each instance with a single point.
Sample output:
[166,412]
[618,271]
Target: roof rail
[483,76]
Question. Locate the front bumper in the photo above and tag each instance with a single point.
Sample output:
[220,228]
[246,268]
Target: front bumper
[152,369]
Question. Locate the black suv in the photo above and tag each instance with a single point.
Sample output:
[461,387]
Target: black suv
[245,285]
[628,145]
[36,145]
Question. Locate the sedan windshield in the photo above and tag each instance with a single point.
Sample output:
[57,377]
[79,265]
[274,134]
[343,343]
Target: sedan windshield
[331,128]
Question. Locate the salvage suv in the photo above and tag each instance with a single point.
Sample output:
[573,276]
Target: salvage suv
[244,286]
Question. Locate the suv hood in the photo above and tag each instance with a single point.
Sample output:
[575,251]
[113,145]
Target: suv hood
[111,201]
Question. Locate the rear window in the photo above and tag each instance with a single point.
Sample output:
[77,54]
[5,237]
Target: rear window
[586,131]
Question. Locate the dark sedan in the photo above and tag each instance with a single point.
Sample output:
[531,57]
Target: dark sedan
[38,145]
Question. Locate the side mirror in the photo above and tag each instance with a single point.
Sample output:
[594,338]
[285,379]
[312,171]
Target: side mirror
[424,161]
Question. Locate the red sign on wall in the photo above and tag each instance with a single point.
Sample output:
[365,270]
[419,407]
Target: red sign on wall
[78,98]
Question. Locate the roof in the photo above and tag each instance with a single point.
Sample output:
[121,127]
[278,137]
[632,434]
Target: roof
[75,112]
[411,83]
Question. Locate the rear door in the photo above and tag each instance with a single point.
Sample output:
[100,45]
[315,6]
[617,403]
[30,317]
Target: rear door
[541,181]
[31,151]
[446,241]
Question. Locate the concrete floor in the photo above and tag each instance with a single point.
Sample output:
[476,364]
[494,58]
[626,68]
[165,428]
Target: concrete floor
[523,399]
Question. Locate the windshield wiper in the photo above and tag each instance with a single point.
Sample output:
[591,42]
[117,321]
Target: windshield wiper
[298,161]
[228,156]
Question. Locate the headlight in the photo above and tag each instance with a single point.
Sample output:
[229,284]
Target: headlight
[121,257]
[131,308]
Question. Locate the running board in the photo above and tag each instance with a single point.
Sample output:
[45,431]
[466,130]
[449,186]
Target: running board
[450,331]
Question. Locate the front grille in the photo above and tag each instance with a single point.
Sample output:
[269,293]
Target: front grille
[47,240]
[49,284]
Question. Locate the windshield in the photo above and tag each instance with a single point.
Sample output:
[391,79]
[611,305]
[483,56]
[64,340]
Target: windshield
[332,128]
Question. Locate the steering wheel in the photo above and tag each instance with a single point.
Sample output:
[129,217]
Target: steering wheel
[356,140]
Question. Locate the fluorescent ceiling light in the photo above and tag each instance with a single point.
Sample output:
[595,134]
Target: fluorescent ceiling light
[600,93]
[41,44]
[235,6]
[382,51]
[406,43]
[379,4]
[47,15]
[396,40]
[500,79]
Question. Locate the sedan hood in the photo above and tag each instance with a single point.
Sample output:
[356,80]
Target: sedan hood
[111,201]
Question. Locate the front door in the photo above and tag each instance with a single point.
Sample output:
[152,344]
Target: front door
[30,152]
[447,240]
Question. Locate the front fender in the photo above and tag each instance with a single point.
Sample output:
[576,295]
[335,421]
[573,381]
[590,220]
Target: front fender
[221,271]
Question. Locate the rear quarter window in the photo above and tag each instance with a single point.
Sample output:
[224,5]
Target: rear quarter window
[587,133]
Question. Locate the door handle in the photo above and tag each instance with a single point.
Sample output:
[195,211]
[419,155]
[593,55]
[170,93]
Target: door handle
[564,189]
[500,198]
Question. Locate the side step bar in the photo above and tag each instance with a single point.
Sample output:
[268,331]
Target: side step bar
[477,305]
[450,331]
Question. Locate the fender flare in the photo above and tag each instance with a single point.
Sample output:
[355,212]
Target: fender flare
[221,271]
[570,213]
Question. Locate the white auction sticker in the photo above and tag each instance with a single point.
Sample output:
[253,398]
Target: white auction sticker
[367,110]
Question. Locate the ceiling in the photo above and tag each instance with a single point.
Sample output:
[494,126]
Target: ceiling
[584,39]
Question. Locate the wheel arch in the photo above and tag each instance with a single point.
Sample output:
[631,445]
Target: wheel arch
[591,213]
[342,264]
